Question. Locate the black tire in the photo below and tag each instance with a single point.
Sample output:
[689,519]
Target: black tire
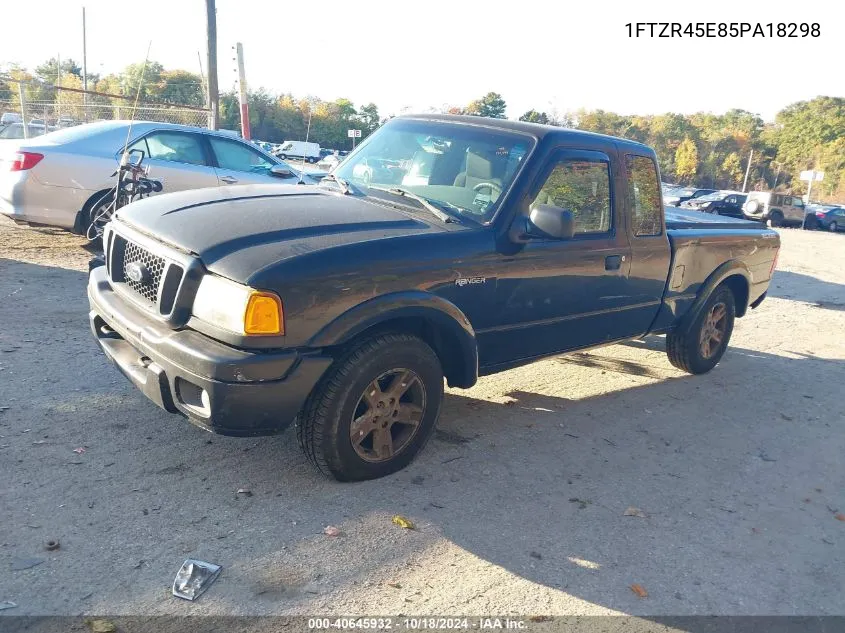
[684,349]
[312,160]
[283,156]
[84,216]
[775,219]
[832,227]
[324,425]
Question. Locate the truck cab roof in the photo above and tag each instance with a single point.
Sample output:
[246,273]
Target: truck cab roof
[538,130]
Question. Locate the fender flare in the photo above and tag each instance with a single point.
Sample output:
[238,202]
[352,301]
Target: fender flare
[442,314]
[730,268]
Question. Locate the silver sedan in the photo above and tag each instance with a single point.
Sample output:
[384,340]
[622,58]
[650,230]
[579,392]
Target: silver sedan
[56,179]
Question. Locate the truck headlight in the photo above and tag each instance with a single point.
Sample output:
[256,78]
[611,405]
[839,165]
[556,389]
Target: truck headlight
[238,308]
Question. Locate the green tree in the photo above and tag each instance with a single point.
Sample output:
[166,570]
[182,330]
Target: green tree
[49,70]
[686,161]
[490,105]
[180,87]
[147,78]
[532,116]
[807,136]
[369,118]
[731,169]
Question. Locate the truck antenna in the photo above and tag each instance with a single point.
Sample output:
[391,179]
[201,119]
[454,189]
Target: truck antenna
[137,97]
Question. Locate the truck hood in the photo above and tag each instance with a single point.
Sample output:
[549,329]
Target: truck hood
[240,230]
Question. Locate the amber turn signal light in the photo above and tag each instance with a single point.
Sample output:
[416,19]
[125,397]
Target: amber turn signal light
[264,314]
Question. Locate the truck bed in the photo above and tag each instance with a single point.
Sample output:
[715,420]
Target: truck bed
[677,218]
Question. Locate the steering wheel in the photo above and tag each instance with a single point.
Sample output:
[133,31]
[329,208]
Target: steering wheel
[490,185]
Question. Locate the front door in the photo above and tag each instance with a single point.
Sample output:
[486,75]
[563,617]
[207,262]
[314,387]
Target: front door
[239,164]
[557,295]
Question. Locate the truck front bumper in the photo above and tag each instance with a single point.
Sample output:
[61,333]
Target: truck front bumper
[219,388]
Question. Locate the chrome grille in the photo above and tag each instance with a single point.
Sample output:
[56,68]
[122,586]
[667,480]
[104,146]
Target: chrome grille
[147,288]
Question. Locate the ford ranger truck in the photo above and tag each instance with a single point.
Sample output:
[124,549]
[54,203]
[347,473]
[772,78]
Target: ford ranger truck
[476,246]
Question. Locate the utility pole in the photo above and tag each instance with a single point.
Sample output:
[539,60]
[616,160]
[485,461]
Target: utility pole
[213,97]
[22,95]
[245,132]
[747,171]
[84,67]
[59,84]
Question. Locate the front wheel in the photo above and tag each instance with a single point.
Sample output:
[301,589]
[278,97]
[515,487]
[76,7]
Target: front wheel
[375,408]
[699,349]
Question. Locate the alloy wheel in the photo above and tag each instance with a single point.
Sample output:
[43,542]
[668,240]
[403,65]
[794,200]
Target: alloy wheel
[713,330]
[388,415]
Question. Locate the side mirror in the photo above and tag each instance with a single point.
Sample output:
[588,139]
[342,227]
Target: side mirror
[551,221]
[281,171]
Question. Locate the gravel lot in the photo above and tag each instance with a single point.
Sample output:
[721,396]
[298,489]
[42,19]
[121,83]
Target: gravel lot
[518,502]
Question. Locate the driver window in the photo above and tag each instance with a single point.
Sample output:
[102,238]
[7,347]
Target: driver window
[582,187]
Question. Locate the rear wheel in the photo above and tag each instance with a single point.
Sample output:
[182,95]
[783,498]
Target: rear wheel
[699,349]
[775,219]
[832,227]
[375,408]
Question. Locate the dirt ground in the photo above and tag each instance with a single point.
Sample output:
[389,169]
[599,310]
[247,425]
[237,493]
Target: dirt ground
[519,501]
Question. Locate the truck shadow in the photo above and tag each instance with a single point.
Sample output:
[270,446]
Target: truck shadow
[798,287]
[716,471]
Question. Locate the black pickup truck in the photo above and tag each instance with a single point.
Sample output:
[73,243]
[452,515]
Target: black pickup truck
[479,246]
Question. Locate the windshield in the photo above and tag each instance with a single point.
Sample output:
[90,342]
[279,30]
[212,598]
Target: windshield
[464,167]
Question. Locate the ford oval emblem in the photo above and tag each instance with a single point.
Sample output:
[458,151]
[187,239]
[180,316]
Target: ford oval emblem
[137,272]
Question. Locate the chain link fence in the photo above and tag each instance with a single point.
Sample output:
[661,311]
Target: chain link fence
[61,115]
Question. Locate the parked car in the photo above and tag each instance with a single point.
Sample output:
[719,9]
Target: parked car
[10,117]
[66,121]
[677,196]
[56,179]
[14,131]
[378,170]
[777,209]
[827,217]
[343,306]
[329,162]
[299,149]
[267,147]
[721,203]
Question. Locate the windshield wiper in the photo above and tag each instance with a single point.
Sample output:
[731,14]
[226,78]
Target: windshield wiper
[442,215]
[344,186]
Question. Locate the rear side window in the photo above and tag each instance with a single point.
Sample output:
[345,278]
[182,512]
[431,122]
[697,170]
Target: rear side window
[644,197]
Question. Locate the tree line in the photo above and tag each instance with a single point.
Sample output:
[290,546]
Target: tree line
[713,150]
[702,149]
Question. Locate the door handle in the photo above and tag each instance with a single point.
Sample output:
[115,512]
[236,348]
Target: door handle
[613,262]
[229,180]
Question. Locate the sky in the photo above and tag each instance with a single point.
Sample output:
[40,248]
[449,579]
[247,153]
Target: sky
[404,56]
